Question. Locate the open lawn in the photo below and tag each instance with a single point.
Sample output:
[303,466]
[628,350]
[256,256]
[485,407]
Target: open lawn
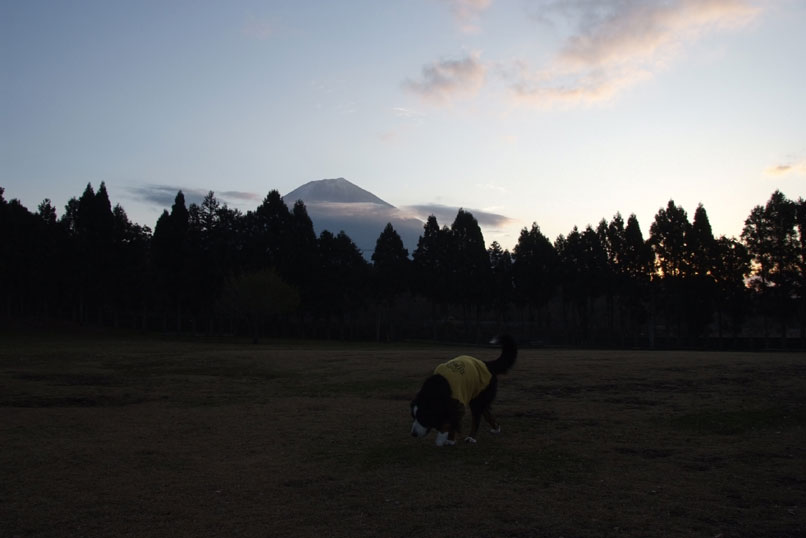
[126,437]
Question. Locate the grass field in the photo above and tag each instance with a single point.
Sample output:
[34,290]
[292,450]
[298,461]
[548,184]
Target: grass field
[116,437]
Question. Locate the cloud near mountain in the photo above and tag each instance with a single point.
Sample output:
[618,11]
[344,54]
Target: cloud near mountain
[164,195]
[337,204]
[446,214]
[363,222]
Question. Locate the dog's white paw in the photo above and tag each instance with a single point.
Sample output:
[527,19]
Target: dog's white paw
[496,430]
[442,439]
[470,440]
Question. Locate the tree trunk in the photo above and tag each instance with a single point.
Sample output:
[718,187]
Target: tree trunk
[378,324]
[651,328]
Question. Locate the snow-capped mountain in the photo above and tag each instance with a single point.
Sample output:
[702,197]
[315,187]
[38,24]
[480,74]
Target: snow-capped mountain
[337,204]
[334,191]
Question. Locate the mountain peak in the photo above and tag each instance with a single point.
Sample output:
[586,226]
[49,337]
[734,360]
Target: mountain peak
[337,190]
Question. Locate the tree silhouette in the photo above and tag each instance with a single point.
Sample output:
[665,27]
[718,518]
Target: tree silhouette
[390,275]
[259,297]
[85,268]
[699,286]
[302,259]
[584,271]
[49,274]
[502,281]
[535,269]
[611,238]
[731,268]
[638,259]
[470,283]
[94,265]
[131,273]
[700,245]
[214,249]
[19,257]
[273,219]
[432,266]
[91,260]
[341,284]
[770,233]
[47,212]
[630,265]
[637,263]
[667,236]
[171,249]
[800,267]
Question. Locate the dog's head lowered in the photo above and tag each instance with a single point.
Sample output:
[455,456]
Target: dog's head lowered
[427,415]
[429,407]
[418,429]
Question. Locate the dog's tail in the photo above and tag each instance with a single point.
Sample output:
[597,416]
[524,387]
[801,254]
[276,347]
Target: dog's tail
[509,352]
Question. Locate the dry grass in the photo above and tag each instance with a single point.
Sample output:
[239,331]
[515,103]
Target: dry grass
[150,438]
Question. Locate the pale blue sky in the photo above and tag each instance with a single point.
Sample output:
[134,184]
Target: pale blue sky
[561,113]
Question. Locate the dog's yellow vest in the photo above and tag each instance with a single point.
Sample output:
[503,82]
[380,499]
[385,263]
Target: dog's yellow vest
[466,375]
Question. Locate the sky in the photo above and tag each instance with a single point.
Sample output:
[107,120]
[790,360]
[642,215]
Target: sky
[556,112]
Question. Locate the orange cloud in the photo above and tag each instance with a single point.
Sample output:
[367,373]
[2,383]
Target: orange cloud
[780,170]
[620,44]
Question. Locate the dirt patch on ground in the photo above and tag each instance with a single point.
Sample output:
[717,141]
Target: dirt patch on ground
[151,438]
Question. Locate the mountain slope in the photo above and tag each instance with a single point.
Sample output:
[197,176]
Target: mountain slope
[333,190]
[338,205]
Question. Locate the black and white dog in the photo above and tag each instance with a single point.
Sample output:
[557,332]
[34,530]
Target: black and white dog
[460,382]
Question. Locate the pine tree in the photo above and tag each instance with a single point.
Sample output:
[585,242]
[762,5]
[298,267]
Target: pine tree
[502,280]
[771,236]
[535,271]
[470,267]
[390,273]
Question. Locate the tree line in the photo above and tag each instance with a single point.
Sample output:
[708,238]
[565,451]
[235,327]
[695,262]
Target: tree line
[210,269]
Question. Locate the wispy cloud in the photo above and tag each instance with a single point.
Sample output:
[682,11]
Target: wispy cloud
[443,81]
[466,12]
[447,214]
[239,195]
[788,169]
[406,113]
[499,189]
[619,43]
[165,195]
